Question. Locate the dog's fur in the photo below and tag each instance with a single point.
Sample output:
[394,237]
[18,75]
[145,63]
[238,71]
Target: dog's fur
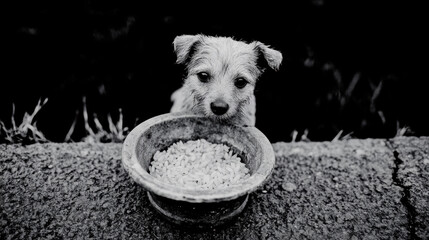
[221,74]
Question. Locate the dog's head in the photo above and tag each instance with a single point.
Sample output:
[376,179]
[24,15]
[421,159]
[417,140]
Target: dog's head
[221,72]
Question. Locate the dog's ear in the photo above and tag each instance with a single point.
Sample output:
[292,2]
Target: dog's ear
[273,57]
[184,46]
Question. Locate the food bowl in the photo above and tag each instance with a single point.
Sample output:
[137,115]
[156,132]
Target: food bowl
[194,207]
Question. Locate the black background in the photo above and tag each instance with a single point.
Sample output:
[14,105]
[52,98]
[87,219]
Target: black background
[120,55]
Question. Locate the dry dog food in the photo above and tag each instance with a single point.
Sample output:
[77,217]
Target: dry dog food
[198,164]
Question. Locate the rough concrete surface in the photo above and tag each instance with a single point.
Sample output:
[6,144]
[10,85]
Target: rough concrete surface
[355,189]
[412,157]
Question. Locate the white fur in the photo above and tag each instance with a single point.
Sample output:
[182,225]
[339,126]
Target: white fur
[224,60]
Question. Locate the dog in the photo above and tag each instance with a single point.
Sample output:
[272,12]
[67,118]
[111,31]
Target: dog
[220,77]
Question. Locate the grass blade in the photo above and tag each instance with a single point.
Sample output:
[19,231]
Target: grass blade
[72,127]
[85,118]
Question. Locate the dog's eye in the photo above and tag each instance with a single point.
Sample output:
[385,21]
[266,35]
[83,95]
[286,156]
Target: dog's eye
[203,77]
[240,83]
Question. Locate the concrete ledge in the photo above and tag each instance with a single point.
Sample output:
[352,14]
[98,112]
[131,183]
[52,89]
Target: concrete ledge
[356,189]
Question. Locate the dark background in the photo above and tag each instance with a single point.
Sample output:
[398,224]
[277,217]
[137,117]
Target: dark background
[357,67]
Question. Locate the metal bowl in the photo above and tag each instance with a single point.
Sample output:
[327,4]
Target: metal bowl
[188,206]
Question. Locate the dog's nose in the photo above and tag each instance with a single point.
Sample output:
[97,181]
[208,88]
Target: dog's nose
[219,107]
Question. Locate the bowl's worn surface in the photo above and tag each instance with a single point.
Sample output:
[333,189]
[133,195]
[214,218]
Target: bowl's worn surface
[199,215]
[190,205]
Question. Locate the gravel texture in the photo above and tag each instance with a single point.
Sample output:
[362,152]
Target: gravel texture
[355,189]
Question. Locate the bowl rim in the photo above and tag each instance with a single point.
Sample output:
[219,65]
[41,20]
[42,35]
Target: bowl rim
[156,186]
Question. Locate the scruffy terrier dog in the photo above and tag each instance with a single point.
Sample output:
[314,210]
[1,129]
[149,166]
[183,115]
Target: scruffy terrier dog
[221,74]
